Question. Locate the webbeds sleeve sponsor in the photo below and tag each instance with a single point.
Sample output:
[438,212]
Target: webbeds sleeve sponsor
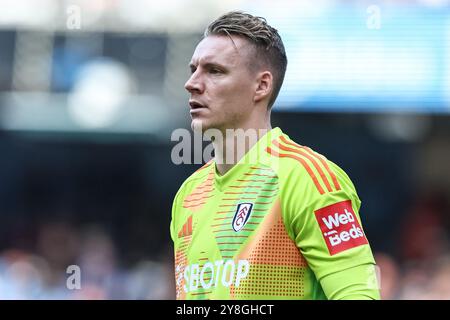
[340,227]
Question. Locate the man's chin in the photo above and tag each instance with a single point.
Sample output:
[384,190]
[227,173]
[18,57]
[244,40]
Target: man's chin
[197,125]
[203,126]
[200,125]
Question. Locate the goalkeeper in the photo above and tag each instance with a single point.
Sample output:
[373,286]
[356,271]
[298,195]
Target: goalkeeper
[278,220]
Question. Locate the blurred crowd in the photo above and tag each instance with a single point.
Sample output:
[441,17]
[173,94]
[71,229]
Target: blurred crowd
[73,264]
[421,269]
[412,280]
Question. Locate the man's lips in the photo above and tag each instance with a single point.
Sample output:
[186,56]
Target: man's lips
[196,106]
[193,111]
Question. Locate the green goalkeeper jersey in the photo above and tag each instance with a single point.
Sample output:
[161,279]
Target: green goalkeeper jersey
[275,226]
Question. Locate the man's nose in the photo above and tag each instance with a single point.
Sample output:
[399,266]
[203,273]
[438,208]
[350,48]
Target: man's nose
[194,85]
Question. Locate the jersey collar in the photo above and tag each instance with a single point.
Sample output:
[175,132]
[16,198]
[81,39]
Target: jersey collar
[256,156]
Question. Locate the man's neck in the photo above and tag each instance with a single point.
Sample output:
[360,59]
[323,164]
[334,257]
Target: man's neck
[235,144]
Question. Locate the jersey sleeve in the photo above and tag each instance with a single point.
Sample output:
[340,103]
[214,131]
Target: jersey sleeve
[325,226]
[356,283]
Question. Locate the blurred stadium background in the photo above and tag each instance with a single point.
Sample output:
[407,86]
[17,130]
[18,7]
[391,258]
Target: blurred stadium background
[91,90]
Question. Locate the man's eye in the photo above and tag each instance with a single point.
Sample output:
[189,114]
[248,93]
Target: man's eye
[215,71]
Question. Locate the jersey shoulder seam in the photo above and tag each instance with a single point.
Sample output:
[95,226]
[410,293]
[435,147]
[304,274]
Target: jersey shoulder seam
[309,162]
[196,176]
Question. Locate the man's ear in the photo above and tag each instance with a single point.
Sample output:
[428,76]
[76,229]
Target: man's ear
[264,86]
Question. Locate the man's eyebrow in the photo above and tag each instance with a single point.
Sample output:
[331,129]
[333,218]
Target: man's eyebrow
[214,64]
[208,64]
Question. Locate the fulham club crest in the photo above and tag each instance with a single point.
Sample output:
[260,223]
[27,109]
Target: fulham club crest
[241,216]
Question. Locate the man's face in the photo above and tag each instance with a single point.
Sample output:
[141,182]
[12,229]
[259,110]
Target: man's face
[221,84]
